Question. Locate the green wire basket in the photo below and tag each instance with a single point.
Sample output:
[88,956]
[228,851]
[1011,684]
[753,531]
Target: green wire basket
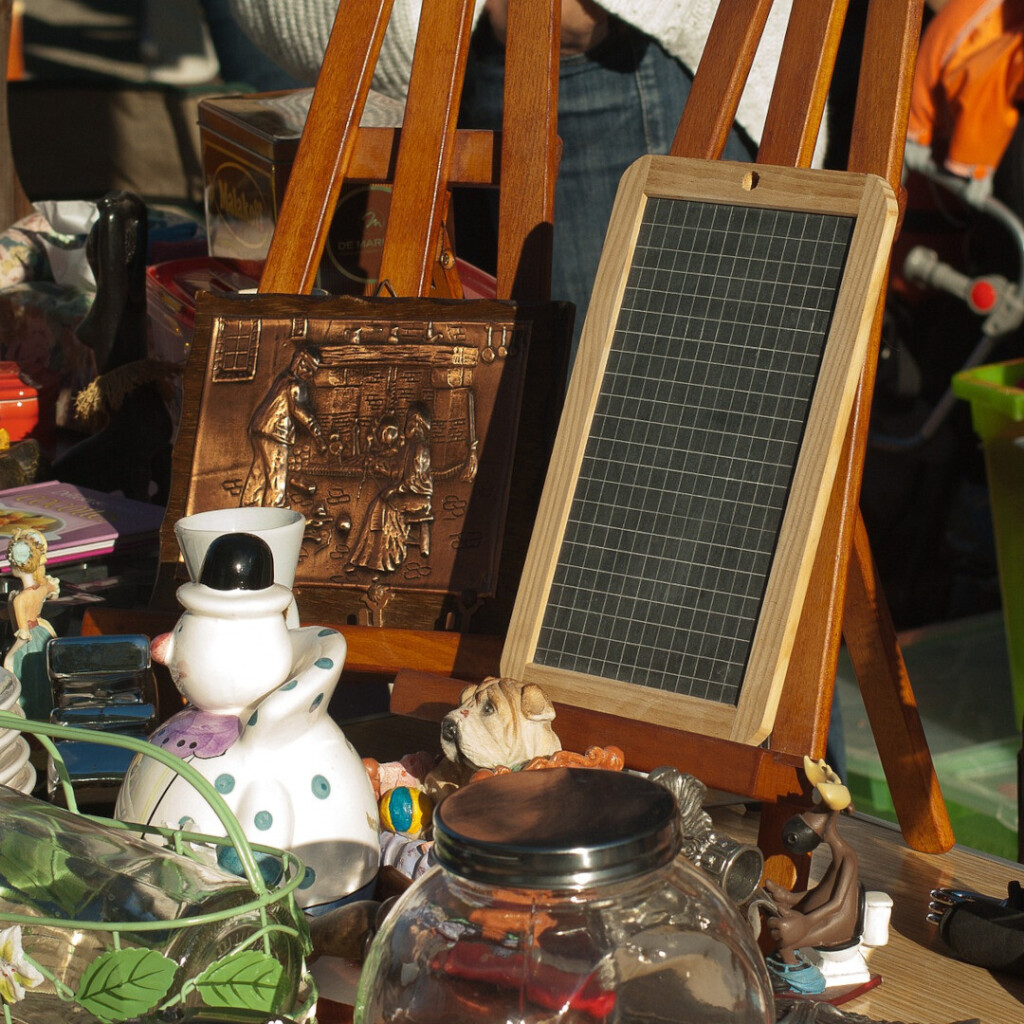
[242,946]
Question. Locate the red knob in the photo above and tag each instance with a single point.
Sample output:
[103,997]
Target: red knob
[983,296]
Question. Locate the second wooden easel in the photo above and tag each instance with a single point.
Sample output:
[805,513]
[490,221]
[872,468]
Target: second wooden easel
[845,597]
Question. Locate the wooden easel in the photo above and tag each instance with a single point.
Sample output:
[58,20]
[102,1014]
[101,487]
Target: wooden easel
[845,597]
[421,160]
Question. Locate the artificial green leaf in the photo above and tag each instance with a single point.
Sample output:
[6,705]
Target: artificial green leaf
[248,980]
[125,983]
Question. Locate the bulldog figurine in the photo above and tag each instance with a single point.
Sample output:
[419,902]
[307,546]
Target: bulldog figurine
[500,722]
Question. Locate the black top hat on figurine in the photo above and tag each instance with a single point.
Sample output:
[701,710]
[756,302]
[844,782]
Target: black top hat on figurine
[238,561]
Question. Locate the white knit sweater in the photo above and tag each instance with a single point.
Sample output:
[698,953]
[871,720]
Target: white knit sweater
[295,32]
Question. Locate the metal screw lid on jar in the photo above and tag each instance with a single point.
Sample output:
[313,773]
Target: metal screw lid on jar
[556,828]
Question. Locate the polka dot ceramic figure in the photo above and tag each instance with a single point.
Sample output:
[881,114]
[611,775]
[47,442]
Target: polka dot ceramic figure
[256,726]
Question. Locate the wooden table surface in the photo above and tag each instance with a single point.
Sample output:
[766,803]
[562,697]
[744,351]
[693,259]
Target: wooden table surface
[922,982]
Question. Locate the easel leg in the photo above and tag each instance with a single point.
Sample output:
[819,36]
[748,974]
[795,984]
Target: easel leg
[890,704]
[782,868]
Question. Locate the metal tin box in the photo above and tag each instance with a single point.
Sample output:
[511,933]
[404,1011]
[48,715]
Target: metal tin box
[248,147]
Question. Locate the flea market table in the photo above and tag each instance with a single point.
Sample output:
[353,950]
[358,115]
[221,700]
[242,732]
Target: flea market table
[922,982]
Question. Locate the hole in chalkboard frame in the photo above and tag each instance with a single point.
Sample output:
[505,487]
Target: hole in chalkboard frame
[751,180]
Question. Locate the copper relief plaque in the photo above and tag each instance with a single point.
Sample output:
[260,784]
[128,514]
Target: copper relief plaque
[393,433]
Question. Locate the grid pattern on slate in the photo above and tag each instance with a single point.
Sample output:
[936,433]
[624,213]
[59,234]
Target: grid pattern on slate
[686,473]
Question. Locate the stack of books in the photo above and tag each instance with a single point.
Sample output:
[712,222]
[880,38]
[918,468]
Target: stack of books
[78,523]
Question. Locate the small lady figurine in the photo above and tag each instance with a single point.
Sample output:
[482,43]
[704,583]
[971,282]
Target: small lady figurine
[26,657]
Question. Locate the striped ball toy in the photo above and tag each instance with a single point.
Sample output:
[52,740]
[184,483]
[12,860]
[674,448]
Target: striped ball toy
[406,810]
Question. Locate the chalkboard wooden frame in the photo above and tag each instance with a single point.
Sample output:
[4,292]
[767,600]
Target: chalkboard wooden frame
[868,202]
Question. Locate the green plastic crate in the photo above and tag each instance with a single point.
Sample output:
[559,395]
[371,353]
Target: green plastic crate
[996,394]
[979,785]
[960,674]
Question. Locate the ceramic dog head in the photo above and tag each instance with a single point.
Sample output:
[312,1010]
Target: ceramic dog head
[499,722]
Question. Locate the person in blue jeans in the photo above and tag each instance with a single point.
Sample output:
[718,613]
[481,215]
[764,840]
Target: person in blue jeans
[618,99]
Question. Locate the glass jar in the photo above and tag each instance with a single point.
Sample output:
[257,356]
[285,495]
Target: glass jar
[560,896]
[97,925]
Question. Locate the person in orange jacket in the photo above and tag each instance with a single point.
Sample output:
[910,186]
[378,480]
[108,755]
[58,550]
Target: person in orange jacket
[968,87]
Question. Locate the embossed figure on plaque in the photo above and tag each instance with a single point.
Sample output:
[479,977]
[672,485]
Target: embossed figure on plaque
[272,429]
[379,466]
[402,506]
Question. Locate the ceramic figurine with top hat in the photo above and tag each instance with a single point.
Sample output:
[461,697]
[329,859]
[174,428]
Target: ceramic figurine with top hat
[257,726]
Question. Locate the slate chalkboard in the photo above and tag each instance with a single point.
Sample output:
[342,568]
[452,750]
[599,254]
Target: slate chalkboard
[699,443]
